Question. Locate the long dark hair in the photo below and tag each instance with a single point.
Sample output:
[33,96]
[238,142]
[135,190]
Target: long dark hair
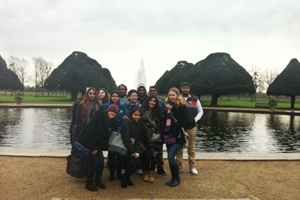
[86,103]
[156,112]
[105,99]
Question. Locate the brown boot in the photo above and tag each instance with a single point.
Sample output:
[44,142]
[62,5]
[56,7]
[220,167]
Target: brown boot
[146,176]
[151,176]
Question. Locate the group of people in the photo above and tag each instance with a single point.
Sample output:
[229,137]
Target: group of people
[143,118]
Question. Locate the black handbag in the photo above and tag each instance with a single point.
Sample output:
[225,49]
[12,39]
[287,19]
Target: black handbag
[77,168]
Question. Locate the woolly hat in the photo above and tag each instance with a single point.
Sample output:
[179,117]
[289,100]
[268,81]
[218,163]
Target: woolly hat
[114,92]
[113,107]
[185,84]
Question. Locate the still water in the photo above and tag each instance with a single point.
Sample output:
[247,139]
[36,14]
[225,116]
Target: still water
[48,128]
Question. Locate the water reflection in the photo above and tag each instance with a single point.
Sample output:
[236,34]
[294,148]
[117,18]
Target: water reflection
[247,132]
[37,128]
[286,130]
[47,128]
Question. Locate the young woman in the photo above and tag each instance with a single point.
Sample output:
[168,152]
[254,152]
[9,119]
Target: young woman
[115,161]
[72,129]
[151,137]
[132,100]
[102,96]
[131,103]
[131,129]
[175,120]
[96,138]
[85,110]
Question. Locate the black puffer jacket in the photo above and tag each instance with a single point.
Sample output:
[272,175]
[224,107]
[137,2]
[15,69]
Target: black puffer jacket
[96,135]
[131,129]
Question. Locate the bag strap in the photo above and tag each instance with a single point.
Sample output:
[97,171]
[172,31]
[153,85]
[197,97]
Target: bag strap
[119,131]
[81,131]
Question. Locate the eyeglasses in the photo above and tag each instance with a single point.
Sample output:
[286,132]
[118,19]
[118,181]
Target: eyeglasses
[121,89]
[152,90]
[114,96]
[92,93]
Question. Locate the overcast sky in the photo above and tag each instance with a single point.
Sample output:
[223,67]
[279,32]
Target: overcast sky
[118,34]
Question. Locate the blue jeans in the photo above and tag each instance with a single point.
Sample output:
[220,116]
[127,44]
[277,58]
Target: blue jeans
[96,165]
[172,150]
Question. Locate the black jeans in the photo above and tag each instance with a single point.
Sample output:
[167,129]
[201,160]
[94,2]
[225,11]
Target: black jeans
[160,159]
[148,161]
[132,164]
[96,165]
[115,162]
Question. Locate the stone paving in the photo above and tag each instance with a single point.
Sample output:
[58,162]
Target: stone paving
[7,151]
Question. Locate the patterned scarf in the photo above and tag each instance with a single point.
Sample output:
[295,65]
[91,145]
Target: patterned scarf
[170,105]
[131,105]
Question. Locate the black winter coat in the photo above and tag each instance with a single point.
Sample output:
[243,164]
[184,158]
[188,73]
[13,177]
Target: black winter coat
[180,115]
[131,129]
[96,135]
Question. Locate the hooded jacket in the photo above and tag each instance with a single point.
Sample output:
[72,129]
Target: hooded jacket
[142,99]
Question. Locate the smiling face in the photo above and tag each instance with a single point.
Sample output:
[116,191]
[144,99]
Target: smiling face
[92,95]
[152,103]
[185,90]
[101,94]
[111,114]
[122,91]
[152,91]
[136,116]
[142,91]
[172,96]
[115,97]
[133,97]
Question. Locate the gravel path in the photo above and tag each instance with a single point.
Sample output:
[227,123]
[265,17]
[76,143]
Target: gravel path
[45,178]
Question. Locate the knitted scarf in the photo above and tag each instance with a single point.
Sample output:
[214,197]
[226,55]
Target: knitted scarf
[170,105]
[131,105]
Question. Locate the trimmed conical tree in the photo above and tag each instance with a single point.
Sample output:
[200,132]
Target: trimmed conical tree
[173,77]
[77,72]
[8,78]
[218,74]
[287,82]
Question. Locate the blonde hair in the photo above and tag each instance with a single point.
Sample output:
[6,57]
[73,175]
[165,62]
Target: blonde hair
[180,100]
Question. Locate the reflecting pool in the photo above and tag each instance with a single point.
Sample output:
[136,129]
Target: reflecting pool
[48,128]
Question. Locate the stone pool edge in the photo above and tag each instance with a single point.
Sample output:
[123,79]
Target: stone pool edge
[7,151]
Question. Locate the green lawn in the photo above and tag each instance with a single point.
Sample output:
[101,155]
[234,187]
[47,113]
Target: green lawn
[222,102]
[242,103]
[52,99]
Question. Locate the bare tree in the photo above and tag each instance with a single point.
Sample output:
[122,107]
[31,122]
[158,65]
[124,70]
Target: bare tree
[269,76]
[257,78]
[20,67]
[42,70]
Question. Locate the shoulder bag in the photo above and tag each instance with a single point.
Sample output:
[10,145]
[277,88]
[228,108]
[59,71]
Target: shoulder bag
[116,143]
[79,151]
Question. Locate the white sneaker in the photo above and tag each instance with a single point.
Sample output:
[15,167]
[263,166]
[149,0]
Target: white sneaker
[194,171]
[140,172]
